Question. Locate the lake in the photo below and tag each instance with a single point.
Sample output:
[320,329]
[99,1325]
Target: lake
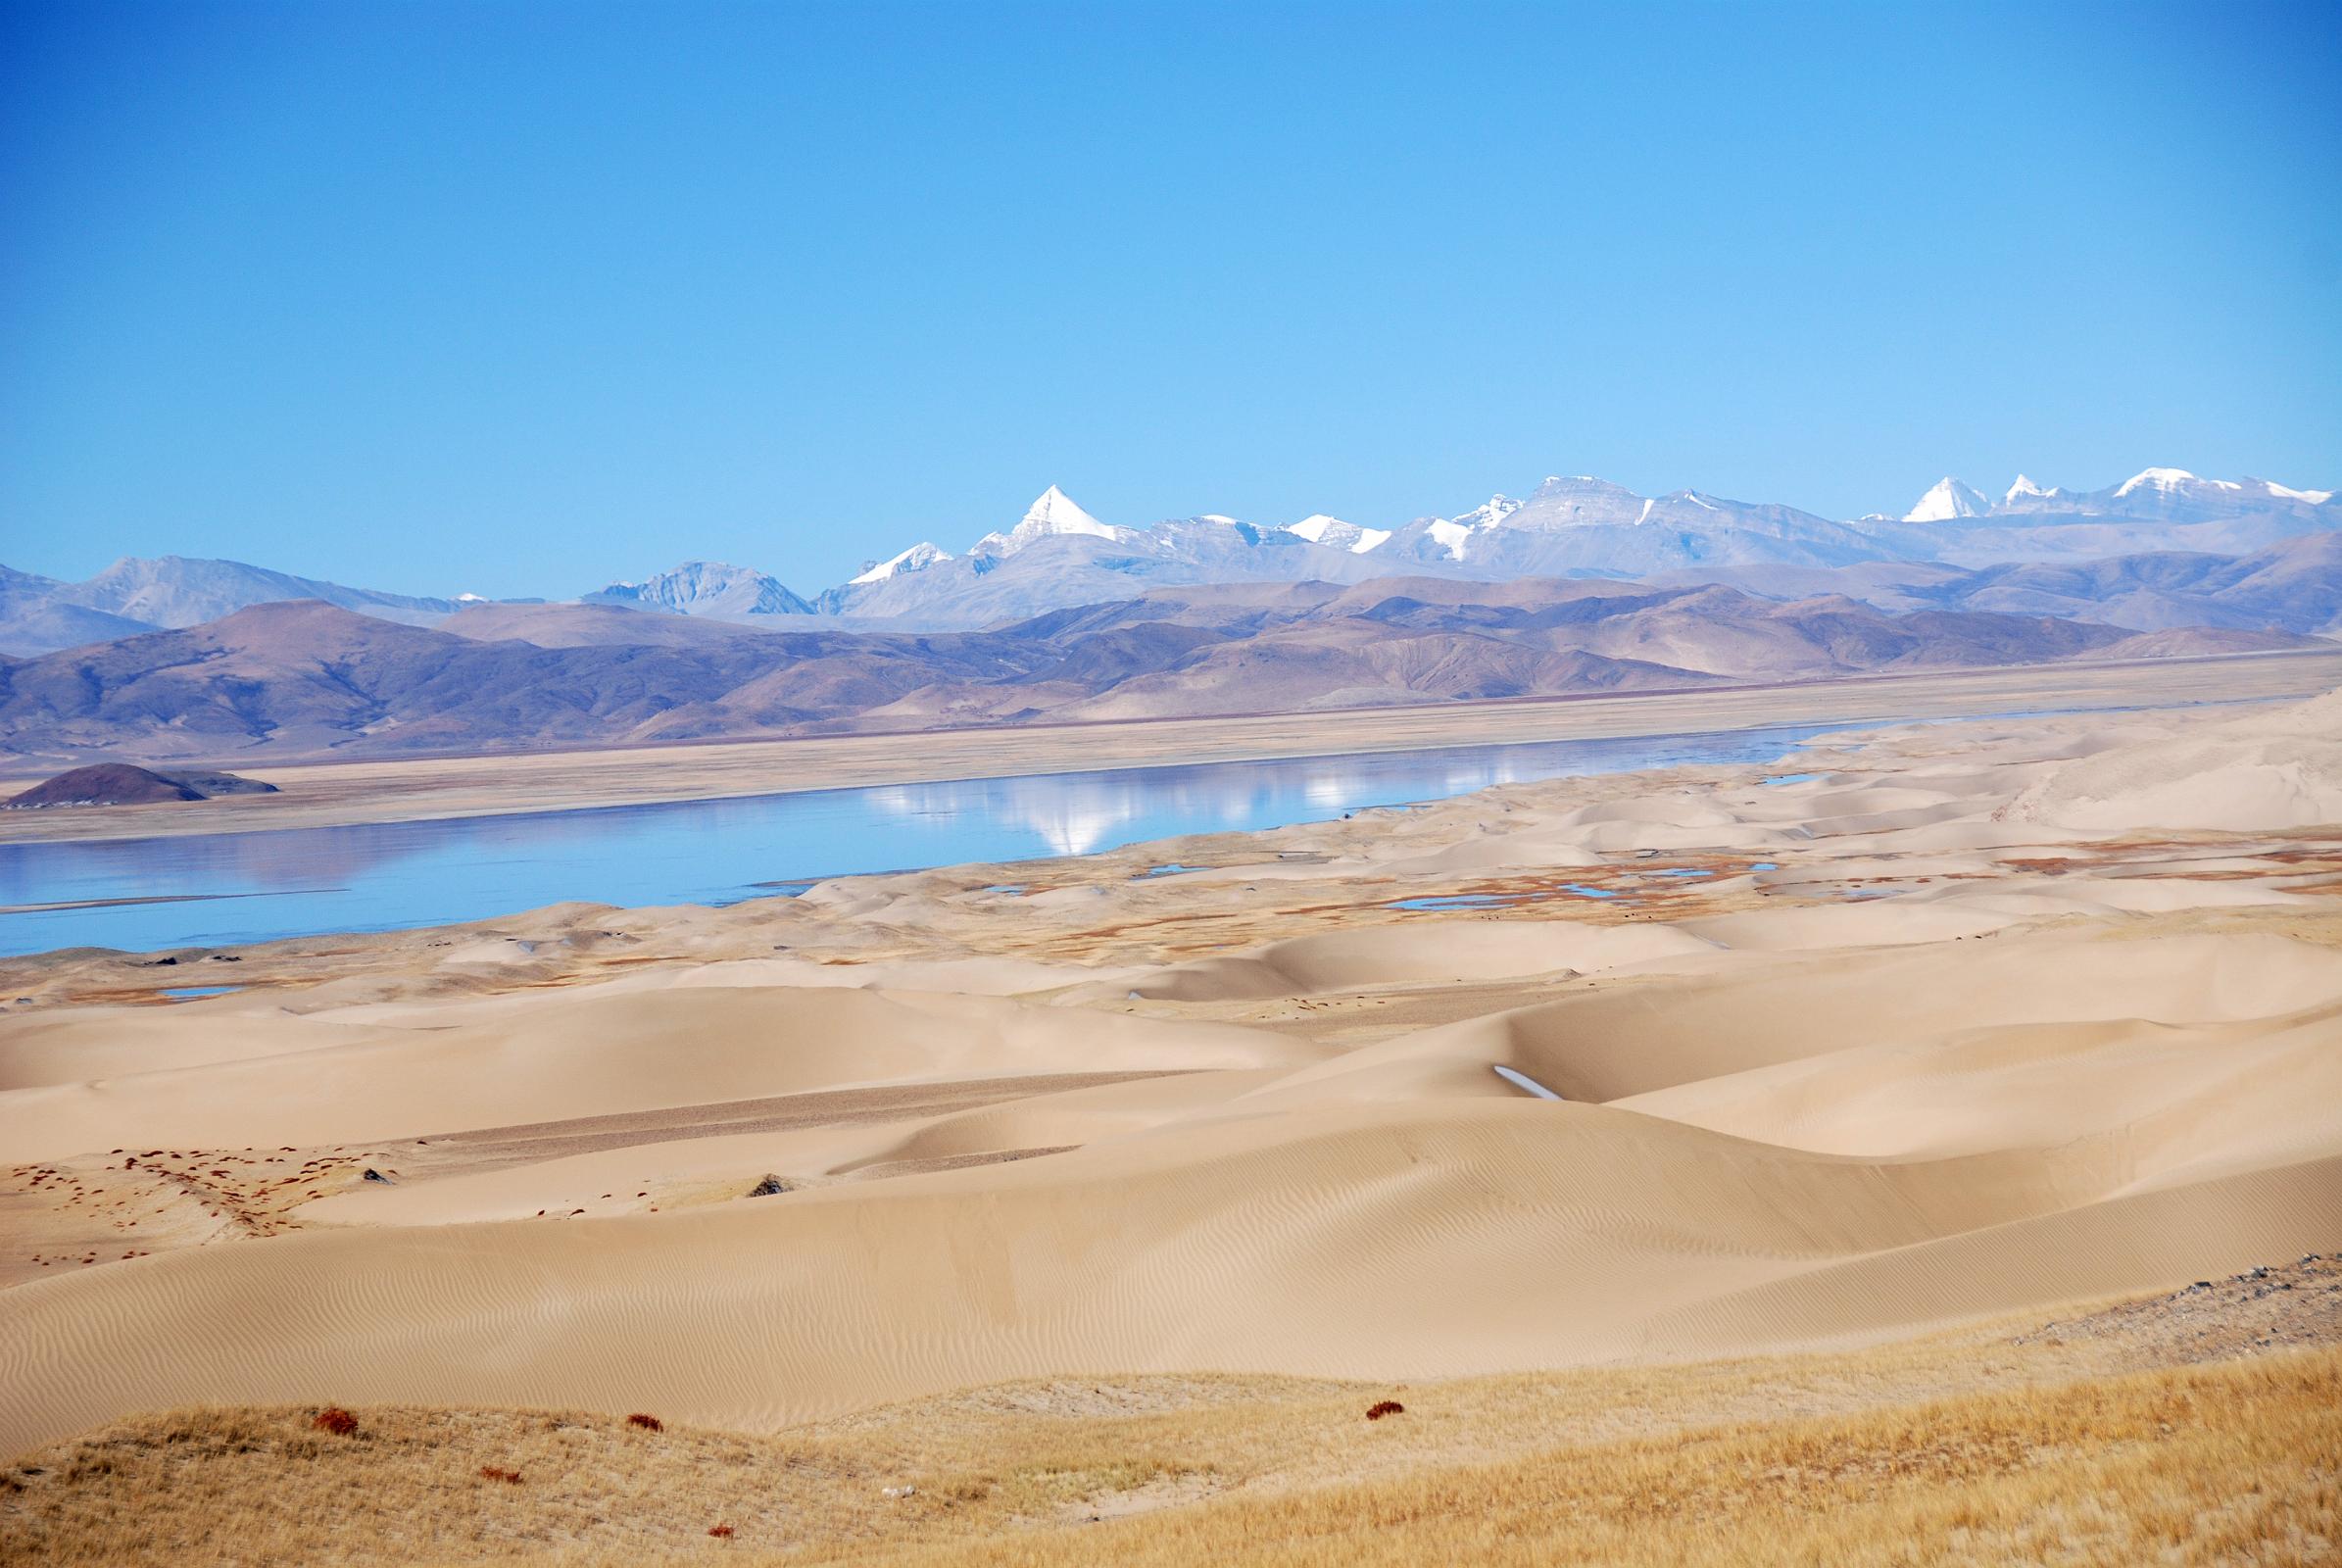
[215,889]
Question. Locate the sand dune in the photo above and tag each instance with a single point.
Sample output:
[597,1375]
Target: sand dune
[1931,1034]
[1347,960]
[587,1055]
[1317,1241]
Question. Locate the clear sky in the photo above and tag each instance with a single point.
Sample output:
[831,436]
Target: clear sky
[521,296]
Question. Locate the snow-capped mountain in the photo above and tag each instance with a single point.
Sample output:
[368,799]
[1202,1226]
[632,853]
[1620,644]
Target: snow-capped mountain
[918,558]
[706,588]
[1060,555]
[2025,493]
[1948,498]
[1583,526]
[1053,515]
[2155,495]
[2155,508]
[1336,534]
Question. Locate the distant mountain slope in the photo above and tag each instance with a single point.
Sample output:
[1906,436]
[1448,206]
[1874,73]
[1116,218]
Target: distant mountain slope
[174,591]
[2292,586]
[308,679]
[706,588]
[593,625]
[46,628]
[1053,570]
[1060,555]
[2157,510]
[38,615]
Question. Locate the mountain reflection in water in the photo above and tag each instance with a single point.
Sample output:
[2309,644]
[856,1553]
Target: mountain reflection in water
[250,887]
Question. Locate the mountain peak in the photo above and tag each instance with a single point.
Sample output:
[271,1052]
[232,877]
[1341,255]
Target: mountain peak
[918,558]
[1946,499]
[1058,512]
[2170,479]
[1054,513]
[1488,512]
[1321,529]
[702,588]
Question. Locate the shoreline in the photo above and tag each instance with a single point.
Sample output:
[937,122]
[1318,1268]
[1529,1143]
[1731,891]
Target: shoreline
[332,793]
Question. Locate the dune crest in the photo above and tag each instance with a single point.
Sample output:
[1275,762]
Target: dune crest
[1923,1026]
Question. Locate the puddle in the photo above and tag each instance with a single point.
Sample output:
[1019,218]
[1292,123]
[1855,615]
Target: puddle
[1458,901]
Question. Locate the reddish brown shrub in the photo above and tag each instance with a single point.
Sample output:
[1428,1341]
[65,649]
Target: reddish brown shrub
[720,1531]
[649,1423]
[497,1472]
[336,1420]
[1376,1412]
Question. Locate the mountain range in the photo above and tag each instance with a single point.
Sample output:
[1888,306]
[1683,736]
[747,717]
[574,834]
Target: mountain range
[283,681]
[1059,555]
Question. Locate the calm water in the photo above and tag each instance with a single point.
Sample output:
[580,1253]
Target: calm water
[251,887]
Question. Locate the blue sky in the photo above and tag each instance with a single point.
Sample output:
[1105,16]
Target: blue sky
[519,297]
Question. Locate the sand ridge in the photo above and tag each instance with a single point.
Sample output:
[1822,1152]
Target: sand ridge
[1919,1027]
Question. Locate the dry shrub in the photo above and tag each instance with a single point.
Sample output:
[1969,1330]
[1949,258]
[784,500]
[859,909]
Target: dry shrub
[497,1472]
[1381,1408]
[720,1531]
[336,1420]
[649,1423]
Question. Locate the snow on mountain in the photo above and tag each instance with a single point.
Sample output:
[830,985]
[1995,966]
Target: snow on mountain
[1947,498]
[2176,497]
[705,588]
[1054,513]
[1451,537]
[2169,479]
[1336,534]
[1059,556]
[2158,509]
[1488,514]
[918,558]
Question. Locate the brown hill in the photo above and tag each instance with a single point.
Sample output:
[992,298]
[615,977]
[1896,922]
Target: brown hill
[127,784]
[306,679]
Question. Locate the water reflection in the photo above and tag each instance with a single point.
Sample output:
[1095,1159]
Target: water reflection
[246,887]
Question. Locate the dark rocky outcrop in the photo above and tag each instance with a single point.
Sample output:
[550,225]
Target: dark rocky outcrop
[125,784]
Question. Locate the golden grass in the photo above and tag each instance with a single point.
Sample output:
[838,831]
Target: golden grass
[2238,1462]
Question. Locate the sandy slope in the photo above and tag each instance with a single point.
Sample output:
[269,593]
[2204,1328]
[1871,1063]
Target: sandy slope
[1967,1022]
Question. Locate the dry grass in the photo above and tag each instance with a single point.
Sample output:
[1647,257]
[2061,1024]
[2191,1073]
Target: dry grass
[2237,1462]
